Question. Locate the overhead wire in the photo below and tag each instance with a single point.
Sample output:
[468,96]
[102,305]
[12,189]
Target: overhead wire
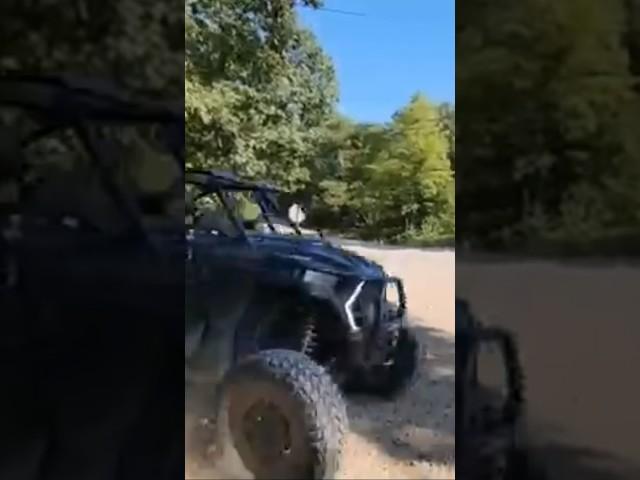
[335,10]
[341,12]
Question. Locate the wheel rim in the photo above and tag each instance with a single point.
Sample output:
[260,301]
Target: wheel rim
[267,433]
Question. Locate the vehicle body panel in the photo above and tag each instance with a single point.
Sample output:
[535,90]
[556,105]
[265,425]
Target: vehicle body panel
[231,275]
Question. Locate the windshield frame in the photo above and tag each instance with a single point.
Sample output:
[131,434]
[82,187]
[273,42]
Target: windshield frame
[224,201]
[213,183]
[59,103]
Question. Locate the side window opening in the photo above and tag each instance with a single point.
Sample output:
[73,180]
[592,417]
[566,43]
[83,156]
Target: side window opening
[206,213]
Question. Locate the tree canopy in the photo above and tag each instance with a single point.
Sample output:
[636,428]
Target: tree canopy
[258,89]
[138,44]
[390,181]
[550,99]
[261,101]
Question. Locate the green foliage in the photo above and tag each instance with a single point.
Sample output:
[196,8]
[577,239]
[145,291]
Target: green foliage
[260,101]
[558,155]
[447,116]
[390,181]
[258,89]
[137,43]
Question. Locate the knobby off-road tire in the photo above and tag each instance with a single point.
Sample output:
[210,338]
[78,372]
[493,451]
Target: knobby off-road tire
[390,381]
[383,381]
[283,416]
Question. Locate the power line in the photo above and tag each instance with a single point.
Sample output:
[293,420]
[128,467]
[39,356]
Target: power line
[341,12]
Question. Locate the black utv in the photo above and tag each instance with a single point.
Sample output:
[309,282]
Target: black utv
[280,288]
[90,258]
[489,424]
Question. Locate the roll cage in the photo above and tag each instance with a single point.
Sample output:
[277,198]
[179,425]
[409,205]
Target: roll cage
[63,102]
[221,184]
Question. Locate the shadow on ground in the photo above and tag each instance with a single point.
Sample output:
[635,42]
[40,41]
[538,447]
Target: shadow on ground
[575,324]
[548,457]
[567,462]
[418,426]
[541,454]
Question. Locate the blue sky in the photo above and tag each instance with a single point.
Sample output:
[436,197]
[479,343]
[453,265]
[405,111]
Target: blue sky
[397,48]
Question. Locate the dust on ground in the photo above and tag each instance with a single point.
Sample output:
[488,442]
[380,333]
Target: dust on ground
[414,436]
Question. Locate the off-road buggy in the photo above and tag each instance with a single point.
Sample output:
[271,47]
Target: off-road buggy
[488,422]
[292,291]
[89,257]
[87,284]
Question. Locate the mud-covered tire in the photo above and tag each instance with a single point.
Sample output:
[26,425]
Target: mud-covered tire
[389,382]
[304,407]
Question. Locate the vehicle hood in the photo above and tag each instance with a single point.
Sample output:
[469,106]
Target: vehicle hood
[316,254]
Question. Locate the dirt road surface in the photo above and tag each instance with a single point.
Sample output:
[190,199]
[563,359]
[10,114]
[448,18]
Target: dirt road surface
[413,437]
[578,338]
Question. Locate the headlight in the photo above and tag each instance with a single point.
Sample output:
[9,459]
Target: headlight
[320,278]
[391,293]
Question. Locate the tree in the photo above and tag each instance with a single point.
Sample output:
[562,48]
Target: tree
[388,181]
[414,173]
[138,44]
[260,100]
[554,154]
[258,89]
[447,116]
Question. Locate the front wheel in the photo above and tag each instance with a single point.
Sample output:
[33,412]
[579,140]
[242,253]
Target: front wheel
[283,416]
[397,375]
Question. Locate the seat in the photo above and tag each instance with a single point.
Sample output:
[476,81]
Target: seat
[216,221]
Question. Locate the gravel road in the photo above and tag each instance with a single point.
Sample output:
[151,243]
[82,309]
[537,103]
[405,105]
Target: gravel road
[413,437]
[577,327]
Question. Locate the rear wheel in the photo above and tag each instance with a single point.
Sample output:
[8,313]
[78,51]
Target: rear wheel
[283,416]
